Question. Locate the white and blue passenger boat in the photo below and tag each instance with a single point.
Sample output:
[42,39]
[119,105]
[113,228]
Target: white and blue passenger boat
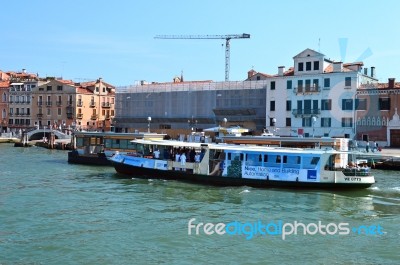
[237,165]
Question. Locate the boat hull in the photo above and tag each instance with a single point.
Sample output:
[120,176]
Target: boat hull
[95,159]
[129,171]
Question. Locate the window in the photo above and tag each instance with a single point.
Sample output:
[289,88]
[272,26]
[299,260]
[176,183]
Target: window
[288,122]
[316,65]
[308,66]
[306,122]
[59,111]
[291,161]
[299,85]
[308,84]
[59,88]
[49,88]
[289,84]
[48,111]
[326,104]
[315,84]
[347,82]
[384,103]
[347,104]
[327,82]
[361,104]
[347,122]
[272,106]
[325,122]
[258,77]
[272,85]
[288,105]
[301,65]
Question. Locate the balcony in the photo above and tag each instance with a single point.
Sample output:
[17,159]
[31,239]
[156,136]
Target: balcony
[40,115]
[79,116]
[107,117]
[106,104]
[79,103]
[307,90]
[48,103]
[40,103]
[58,103]
[92,104]
[94,117]
[306,112]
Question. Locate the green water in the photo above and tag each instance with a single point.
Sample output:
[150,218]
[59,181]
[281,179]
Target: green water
[55,213]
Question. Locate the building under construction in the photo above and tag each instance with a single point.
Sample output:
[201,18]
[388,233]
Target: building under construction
[190,105]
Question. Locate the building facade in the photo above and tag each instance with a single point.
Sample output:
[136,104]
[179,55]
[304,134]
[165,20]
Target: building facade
[65,105]
[4,105]
[377,113]
[315,97]
[190,105]
[20,93]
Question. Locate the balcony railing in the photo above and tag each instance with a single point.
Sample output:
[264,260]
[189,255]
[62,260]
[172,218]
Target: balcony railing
[92,104]
[307,90]
[40,115]
[79,103]
[306,112]
[93,117]
[79,116]
[40,103]
[48,103]
[106,104]
[58,103]
[107,117]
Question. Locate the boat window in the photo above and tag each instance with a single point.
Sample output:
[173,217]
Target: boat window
[253,160]
[273,161]
[265,158]
[235,156]
[123,144]
[310,162]
[79,142]
[107,143]
[291,161]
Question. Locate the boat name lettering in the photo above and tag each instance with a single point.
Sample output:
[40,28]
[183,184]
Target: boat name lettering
[255,171]
[352,179]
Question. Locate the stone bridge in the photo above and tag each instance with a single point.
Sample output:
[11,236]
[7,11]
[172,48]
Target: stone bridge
[38,134]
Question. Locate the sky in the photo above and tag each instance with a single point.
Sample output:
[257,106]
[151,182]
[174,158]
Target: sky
[83,40]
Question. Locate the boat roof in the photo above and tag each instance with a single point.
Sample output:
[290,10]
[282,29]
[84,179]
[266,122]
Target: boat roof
[240,148]
[119,135]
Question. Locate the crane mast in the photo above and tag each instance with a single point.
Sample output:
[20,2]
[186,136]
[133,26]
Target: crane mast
[227,44]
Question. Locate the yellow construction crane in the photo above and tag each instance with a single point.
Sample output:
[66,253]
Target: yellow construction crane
[227,44]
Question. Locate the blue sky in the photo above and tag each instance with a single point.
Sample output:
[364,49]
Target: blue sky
[80,40]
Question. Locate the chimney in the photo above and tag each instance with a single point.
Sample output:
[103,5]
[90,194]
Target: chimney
[251,73]
[281,69]
[366,71]
[24,71]
[373,71]
[391,82]
[337,66]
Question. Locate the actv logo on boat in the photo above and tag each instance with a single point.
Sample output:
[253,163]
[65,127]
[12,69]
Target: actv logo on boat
[280,228]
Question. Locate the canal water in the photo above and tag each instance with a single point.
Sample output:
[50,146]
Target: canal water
[55,213]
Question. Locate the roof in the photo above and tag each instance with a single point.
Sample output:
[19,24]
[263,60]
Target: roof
[4,84]
[379,86]
[308,51]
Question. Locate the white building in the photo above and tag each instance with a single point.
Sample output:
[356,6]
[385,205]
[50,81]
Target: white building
[316,97]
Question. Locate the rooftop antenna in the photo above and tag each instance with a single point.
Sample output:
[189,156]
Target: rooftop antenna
[319,44]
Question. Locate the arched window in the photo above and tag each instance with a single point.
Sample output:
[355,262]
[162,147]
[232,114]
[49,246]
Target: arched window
[378,121]
[4,98]
[368,121]
[373,121]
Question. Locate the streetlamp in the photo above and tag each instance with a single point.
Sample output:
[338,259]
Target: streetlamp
[274,123]
[148,124]
[313,119]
